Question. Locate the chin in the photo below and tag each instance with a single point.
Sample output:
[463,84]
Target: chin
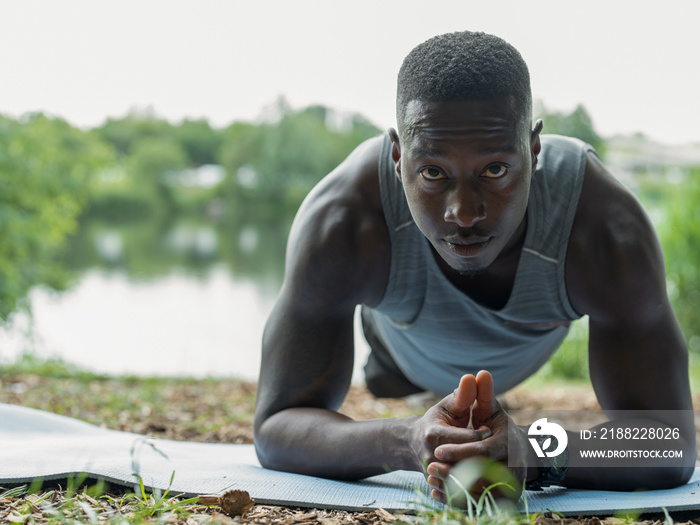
[467,268]
[471,272]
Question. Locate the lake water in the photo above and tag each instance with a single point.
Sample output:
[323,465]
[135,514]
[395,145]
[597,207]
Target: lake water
[186,299]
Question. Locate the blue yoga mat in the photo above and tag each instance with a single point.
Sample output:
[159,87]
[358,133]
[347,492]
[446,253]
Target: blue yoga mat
[37,444]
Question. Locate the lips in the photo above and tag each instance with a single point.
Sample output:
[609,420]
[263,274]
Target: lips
[467,247]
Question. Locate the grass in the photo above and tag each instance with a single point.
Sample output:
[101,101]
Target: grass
[90,504]
[178,408]
[204,410]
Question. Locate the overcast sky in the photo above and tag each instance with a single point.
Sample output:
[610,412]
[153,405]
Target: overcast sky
[633,64]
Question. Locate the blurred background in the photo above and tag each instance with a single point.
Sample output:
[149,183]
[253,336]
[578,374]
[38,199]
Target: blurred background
[153,154]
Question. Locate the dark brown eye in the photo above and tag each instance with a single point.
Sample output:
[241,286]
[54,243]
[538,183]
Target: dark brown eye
[495,171]
[431,173]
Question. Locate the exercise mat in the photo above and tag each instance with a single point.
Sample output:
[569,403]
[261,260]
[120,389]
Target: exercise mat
[37,444]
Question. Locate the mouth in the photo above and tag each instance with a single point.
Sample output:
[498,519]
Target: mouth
[467,247]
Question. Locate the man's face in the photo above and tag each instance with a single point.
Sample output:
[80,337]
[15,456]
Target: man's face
[466,168]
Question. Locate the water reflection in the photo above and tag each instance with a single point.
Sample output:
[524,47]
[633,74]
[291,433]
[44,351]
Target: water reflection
[248,240]
[199,240]
[109,246]
[146,250]
[185,297]
[176,324]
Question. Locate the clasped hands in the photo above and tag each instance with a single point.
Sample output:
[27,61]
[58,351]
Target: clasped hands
[446,437]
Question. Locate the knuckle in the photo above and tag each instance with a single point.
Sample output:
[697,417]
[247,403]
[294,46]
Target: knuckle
[432,435]
[447,412]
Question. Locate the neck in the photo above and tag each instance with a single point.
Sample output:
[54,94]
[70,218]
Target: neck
[492,286]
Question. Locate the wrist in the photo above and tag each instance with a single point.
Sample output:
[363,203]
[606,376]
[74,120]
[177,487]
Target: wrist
[411,453]
[533,464]
[548,470]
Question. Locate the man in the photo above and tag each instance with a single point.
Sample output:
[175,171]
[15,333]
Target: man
[471,242]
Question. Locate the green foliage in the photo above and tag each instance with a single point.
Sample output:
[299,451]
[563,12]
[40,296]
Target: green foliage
[576,124]
[153,151]
[124,133]
[154,157]
[288,157]
[45,167]
[150,164]
[570,361]
[29,363]
[276,161]
[679,231]
[82,502]
[199,140]
[121,205]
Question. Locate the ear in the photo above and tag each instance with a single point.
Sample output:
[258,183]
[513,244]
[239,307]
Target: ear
[535,145]
[395,151]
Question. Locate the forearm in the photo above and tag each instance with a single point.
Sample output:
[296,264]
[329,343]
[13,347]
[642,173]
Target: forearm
[324,443]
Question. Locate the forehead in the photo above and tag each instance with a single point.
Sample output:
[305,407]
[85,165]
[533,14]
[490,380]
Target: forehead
[489,121]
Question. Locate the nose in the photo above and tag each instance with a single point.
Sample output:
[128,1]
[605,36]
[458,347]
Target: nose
[465,207]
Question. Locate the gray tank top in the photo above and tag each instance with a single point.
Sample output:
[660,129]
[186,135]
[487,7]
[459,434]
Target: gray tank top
[436,333]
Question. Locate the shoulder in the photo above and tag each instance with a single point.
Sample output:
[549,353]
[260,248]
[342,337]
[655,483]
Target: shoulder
[614,259]
[339,242]
[562,155]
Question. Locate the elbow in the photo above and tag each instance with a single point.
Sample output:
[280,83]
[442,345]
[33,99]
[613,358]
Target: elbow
[270,446]
[680,474]
[264,457]
[682,468]
[266,454]
[670,477]
[262,444]
[686,474]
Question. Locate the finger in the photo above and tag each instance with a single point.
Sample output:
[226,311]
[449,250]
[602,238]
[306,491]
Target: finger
[455,453]
[439,471]
[445,434]
[457,406]
[436,484]
[466,392]
[486,404]
[485,391]
[437,474]
[495,447]
[438,496]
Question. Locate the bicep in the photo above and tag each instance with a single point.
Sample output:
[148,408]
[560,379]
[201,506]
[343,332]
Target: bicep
[616,275]
[639,365]
[308,345]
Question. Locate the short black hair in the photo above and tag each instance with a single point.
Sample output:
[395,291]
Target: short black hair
[463,66]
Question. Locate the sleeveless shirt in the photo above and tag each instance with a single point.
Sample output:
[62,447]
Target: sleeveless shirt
[436,333]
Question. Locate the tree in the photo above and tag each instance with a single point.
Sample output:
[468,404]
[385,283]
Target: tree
[199,140]
[150,162]
[138,125]
[291,152]
[45,165]
[576,124]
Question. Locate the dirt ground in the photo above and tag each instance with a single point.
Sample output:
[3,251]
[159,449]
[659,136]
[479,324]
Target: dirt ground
[221,411]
